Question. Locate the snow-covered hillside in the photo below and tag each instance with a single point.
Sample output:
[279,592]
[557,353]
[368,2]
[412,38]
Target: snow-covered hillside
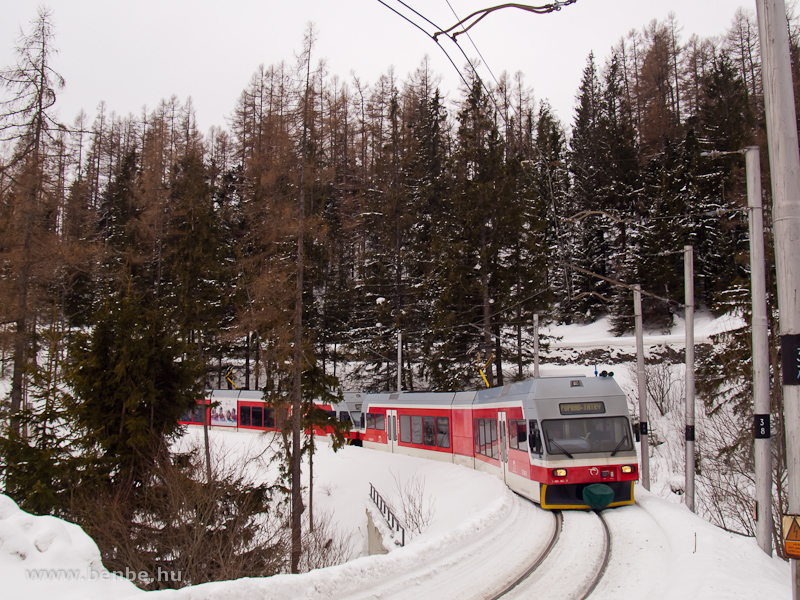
[480,535]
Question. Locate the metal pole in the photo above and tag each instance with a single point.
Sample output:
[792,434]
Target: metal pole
[536,346]
[784,158]
[399,361]
[761,399]
[688,271]
[645,449]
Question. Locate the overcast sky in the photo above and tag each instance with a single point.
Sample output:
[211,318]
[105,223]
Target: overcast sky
[131,54]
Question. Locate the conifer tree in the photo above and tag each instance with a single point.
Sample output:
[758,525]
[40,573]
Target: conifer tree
[590,184]
[27,121]
[549,171]
[131,379]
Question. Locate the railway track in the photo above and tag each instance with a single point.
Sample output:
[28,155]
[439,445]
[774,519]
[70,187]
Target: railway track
[572,565]
[472,564]
[539,560]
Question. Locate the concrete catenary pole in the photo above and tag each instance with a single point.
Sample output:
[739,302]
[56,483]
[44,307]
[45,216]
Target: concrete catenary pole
[399,361]
[784,161]
[645,449]
[536,346]
[688,271]
[761,398]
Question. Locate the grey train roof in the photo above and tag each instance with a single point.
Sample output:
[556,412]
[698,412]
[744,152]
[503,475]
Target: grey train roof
[553,388]
[546,388]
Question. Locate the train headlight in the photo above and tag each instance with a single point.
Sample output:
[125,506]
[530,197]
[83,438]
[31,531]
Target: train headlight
[628,469]
[559,472]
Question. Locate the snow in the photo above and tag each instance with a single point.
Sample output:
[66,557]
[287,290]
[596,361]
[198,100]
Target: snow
[481,537]
[595,335]
[32,548]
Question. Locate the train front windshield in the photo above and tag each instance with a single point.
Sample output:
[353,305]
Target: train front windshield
[591,434]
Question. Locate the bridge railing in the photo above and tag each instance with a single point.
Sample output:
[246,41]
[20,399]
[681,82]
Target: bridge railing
[387,513]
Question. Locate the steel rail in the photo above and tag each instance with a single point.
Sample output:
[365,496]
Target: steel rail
[539,559]
[592,585]
[606,558]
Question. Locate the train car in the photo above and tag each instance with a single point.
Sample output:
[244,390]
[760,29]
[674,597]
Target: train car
[347,410]
[564,442]
[249,410]
[413,423]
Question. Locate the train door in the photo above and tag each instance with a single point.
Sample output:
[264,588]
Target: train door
[391,430]
[503,439]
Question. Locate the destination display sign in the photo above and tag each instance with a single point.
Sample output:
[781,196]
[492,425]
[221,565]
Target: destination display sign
[582,408]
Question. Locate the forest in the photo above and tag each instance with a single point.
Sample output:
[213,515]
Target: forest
[142,260]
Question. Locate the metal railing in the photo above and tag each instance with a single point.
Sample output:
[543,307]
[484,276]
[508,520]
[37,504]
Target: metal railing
[387,513]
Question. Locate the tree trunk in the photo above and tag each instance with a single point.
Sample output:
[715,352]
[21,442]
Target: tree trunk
[311,482]
[297,396]
[206,416]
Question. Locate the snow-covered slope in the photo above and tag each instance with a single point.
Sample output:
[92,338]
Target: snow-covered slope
[45,557]
[480,538]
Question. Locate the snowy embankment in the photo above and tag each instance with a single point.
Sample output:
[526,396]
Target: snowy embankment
[481,535]
[45,557]
[596,335]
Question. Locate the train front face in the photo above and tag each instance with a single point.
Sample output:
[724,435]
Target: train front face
[589,459]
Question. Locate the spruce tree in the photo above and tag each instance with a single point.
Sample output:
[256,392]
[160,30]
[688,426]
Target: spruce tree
[131,378]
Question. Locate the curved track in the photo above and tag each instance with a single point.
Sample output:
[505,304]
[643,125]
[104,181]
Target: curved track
[539,560]
[575,566]
[474,566]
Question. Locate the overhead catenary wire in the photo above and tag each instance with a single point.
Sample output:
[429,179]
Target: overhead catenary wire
[474,45]
[422,29]
[489,94]
[485,12]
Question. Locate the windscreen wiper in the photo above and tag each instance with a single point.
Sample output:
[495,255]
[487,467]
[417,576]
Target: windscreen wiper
[622,441]
[557,445]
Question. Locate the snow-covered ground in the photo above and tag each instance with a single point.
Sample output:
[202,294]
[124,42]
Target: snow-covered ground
[480,537]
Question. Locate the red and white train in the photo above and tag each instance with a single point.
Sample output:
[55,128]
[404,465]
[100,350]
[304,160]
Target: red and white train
[563,442]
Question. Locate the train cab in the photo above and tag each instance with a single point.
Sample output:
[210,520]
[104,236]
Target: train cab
[581,442]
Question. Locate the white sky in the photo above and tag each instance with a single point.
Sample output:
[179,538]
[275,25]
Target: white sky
[131,54]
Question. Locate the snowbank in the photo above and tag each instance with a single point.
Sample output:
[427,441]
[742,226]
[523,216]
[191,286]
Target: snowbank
[45,557]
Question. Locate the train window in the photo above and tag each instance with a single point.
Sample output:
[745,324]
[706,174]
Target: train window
[197,414]
[536,437]
[257,414]
[591,434]
[244,416]
[344,417]
[481,436]
[416,430]
[521,435]
[443,432]
[513,440]
[379,419]
[361,421]
[429,431]
[269,418]
[493,430]
[370,421]
[405,429]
